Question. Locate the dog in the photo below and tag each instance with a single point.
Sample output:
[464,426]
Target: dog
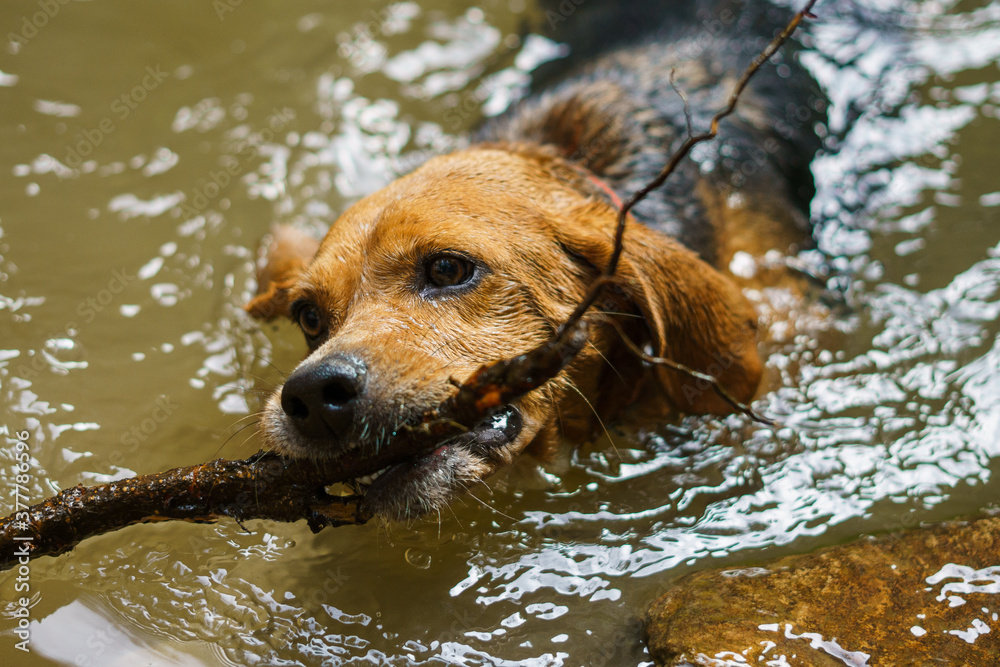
[481,254]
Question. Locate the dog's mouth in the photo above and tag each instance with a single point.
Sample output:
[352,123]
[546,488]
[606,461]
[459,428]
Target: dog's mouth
[425,483]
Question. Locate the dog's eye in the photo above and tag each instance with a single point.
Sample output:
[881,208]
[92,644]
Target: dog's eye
[449,270]
[309,320]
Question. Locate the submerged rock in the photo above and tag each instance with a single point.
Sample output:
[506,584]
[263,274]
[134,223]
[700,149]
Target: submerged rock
[926,597]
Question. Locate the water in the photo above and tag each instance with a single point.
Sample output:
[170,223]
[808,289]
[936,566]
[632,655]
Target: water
[146,148]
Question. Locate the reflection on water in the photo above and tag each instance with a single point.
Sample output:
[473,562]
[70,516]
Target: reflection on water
[126,250]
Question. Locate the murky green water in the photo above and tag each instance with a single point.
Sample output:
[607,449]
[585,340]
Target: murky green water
[147,146]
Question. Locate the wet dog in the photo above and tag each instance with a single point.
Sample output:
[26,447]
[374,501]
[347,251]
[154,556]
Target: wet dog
[481,254]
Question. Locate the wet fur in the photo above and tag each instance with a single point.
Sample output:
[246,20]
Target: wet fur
[521,202]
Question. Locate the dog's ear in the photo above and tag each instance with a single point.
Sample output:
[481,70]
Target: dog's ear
[695,315]
[289,252]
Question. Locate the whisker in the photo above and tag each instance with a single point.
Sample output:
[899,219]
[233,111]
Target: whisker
[236,433]
[607,361]
[250,437]
[432,325]
[552,399]
[617,313]
[446,343]
[252,415]
[271,364]
[572,386]
[488,506]
[252,376]
[483,482]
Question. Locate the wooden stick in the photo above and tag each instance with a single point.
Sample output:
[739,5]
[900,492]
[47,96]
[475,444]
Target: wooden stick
[268,486]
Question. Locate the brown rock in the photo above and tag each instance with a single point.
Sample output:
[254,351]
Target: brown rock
[926,597]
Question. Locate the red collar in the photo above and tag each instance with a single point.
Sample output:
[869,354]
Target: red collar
[601,185]
[612,195]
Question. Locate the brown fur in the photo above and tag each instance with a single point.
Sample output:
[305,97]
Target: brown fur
[527,206]
[543,232]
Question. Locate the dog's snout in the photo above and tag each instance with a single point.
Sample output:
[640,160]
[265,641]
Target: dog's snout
[320,398]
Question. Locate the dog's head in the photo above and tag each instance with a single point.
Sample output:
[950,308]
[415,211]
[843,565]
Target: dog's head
[474,257]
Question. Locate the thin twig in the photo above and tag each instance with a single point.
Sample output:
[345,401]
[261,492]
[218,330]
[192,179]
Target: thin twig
[684,99]
[606,277]
[742,408]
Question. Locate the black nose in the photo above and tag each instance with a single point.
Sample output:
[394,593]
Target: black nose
[320,398]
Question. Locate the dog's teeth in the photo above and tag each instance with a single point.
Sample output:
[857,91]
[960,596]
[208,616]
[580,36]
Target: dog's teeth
[367,479]
[376,475]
